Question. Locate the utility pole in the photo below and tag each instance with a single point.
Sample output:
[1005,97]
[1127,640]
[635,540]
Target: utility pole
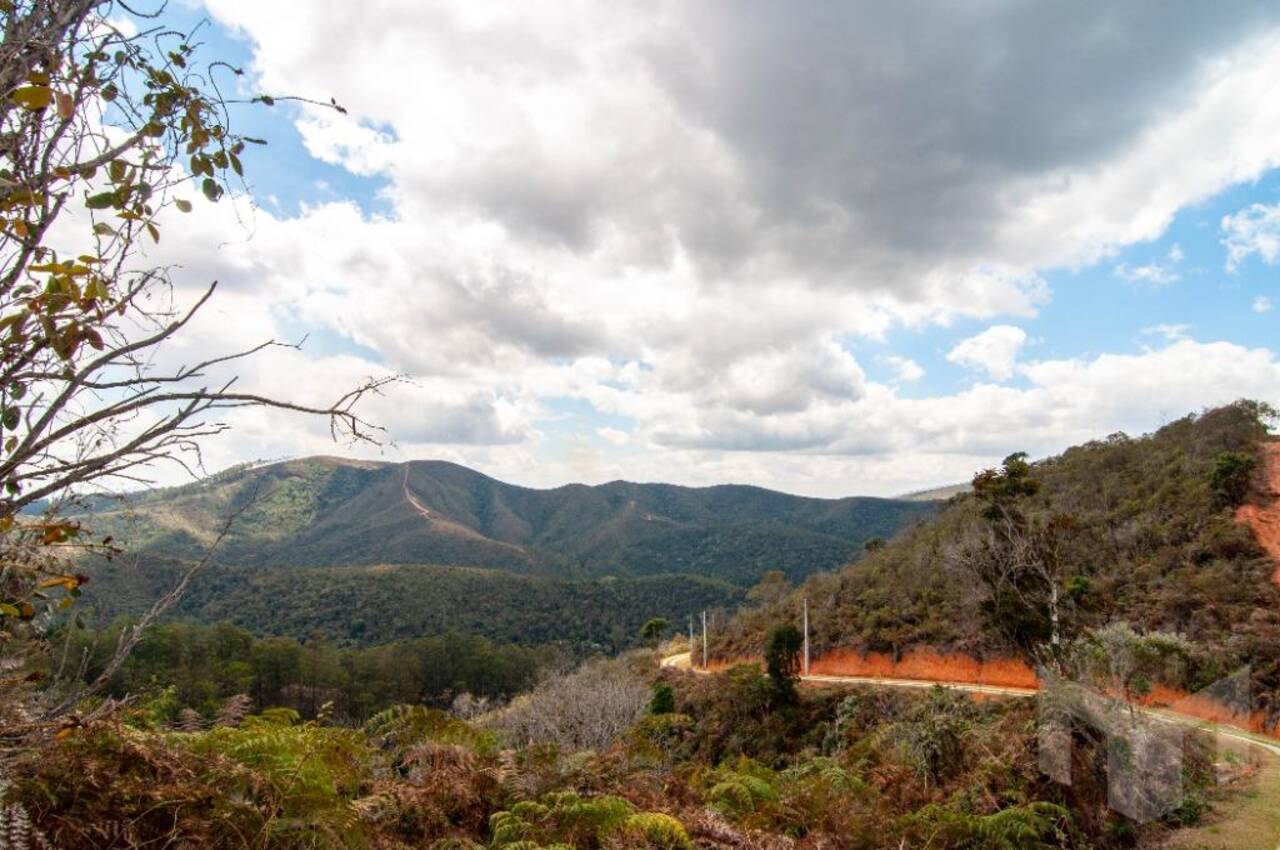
[704,638]
[806,636]
[690,640]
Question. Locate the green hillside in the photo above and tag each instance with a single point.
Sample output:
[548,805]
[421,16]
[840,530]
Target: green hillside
[329,512]
[1140,530]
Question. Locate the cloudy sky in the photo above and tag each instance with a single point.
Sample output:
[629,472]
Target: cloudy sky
[829,248]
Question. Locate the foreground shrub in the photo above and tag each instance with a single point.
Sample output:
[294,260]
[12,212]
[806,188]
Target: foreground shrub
[590,708]
[657,831]
[401,727]
[561,818]
[116,787]
[313,773]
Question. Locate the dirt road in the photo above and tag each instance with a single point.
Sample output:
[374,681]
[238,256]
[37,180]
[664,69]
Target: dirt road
[681,661]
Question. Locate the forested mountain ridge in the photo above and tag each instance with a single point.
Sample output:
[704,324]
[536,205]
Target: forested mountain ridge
[330,512]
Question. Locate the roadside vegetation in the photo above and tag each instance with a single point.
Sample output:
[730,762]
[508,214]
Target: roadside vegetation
[584,762]
[1043,557]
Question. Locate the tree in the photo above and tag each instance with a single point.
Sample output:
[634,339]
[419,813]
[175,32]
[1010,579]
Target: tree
[1019,557]
[1122,662]
[782,662]
[663,700]
[652,630]
[1232,473]
[589,708]
[772,588]
[108,123]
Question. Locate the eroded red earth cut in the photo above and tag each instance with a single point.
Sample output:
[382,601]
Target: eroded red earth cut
[1263,514]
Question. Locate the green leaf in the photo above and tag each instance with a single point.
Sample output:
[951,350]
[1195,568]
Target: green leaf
[236,166]
[33,97]
[11,418]
[211,189]
[10,610]
[182,205]
[103,229]
[101,201]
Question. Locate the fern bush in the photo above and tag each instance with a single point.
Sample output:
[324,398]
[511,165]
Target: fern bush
[113,786]
[399,728]
[568,820]
[1033,826]
[658,831]
[743,789]
[16,830]
[314,774]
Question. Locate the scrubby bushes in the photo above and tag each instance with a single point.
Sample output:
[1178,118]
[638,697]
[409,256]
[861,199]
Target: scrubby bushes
[590,708]
[859,771]
[1135,529]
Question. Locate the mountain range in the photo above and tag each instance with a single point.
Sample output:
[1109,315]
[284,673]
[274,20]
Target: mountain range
[331,512]
[365,552]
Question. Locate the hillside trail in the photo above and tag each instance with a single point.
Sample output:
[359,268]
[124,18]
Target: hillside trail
[1264,516]
[412,499]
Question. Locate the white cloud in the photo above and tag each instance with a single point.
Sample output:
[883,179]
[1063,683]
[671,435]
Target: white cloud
[995,351]
[1170,332]
[614,436]
[686,215]
[905,369]
[1152,274]
[740,141]
[1253,230]
[1262,304]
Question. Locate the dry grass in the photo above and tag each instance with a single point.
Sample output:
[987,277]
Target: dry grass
[1247,819]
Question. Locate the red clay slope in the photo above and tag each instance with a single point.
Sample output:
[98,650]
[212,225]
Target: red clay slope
[1264,516]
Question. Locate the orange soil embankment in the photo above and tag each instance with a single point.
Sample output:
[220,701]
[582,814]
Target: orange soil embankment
[1206,708]
[928,665]
[1264,518]
[719,665]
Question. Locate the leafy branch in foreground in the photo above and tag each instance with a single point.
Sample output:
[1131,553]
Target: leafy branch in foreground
[106,121]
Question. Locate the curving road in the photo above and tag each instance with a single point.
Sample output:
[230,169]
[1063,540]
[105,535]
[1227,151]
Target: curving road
[681,661]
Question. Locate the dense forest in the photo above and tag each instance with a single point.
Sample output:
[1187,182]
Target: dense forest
[370,553]
[201,668]
[364,606]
